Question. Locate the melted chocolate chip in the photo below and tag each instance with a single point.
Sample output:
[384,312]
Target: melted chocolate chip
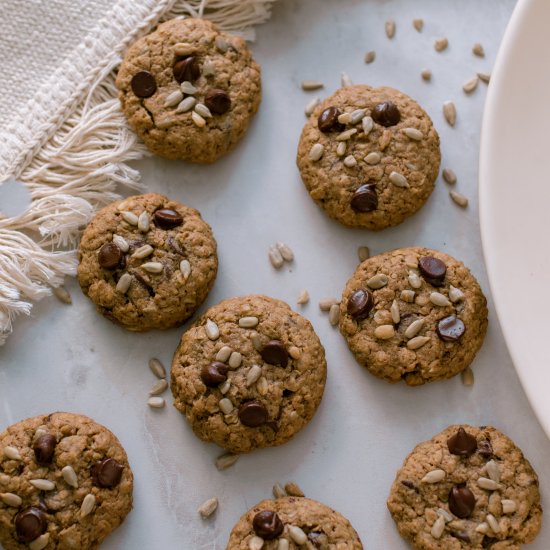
[462,443]
[186,70]
[166,218]
[107,473]
[44,448]
[30,523]
[360,303]
[110,256]
[328,120]
[252,414]
[217,101]
[462,535]
[386,114]
[214,374]
[461,501]
[450,329]
[485,449]
[408,483]
[275,353]
[144,84]
[432,269]
[267,525]
[319,540]
[365,198]
[176,246]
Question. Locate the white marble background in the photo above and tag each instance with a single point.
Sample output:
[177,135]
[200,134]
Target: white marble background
[69,358]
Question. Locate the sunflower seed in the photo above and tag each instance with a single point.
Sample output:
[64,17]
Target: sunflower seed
[316,152]
[262,386]
[357,116]
[459,199]
[187,88]
[198,120]
[157,368]
[62,294]
[373,158]
[395,313]
[130,217]
[124,283]
[449,176]
[455,294]
[435,476]
[414,328]
[413,133]
[224,388]
[283,544]
[212,330]
[165,122]
[156,402]
[221,44]
[326,303]
[414,280]
[152,267]
[143,251]
[12,453]
[379,280]
[368,125]
[256,341]
[426,75]
[482,528]
[334,315]
[88,504]
[310,107]
[341,148]
[344,136]
[493,523]
[484,77]
[407,296]
[225,405]
[441,44]
[255,543]
[207,508]
[40,543]
[438,299]
[185,268]
[488,484]
[9,499]
[275,257]
[446,516]
[398,179]
[278,491]
[384,332]
[186,105]
[293,490]
[418,24]
[344,118]
[449,111]
[384,140]
[390,28]
[422,301]
[363,253]
[417,342]
[203,110]
[294,352]
[467,376]
[470,85]
[182,48]
[42,484]
[438,527]
[253,375]
[303,297]
[286,251]
[235,360]
[248,322]
[69,475]
[493,470]
[173,98]
[350,161]
[310,85]
[121,242]
[370,57]
[160,386]
[346,80]
[478,50]
[508,506]
[296,534]
[226,461]
[123,205]
[39,433]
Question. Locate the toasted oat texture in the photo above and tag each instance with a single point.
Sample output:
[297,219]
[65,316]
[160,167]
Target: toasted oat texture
[436,359]
[153,300]
[415,505]
[289,395]
[174,135]
[80,443]
[324,527]
[332,184]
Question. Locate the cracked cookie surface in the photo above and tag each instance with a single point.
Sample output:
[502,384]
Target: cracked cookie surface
[149,272]
[250,373]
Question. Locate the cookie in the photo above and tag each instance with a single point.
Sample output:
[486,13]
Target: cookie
[467,488]
[189,91]
[147,262]
[413,314]
[250,373]
[369,157]
[65,483]
[300,521]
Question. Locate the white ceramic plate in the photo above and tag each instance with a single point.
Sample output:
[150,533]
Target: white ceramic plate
[515,196]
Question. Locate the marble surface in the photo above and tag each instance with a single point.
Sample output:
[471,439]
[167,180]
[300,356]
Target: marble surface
[69,358]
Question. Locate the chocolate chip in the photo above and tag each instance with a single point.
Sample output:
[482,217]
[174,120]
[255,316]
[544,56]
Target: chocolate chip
[274,353]
[186,70]
[365,198]
[252,414]
[319,540]
[408,483]
[30,523]
[107,473]
[461,501]
[360,303]
[144,84]
[214,374]
[217,101]
[462,535]
[109,256]
[485,449]
[267,524]
[328,120]
[44,448]
[386,114]
[462,443]
[167,218]
[450,329]
[432,269]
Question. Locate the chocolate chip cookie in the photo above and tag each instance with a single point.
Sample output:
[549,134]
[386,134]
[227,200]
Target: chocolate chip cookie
[291,523]
[467,488]
[369,156]
[413,314]
[147,262]
[65,483]
[249,373]
[188,90]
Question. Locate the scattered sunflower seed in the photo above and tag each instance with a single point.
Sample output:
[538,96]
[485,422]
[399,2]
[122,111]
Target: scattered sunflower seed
[482,528]
[121,242]
[12,453]
[449,176]
[449,112]
[407,296]
[438,527]
[413,133]
[390,28]
[173,98]
[438,299]
[187,88]
[327,303]
[278,491]
[286,251]
[350,161]
[418,24]
[470,85]
[488,484]
[198,120]
[478,50]
[253,375]
[221,44]
[346,80]
[297,535]
[395,313]
[344,136]
[224,388]
[143,251]
[160,386]
[363,253]
[398,179]
[414,280]
[124,283]
[62,294]
[493,470]
[370,56]
[334,314]
[316,152]
[414,328]
[248,322]
[130,217]
[10,499]
[182,48]
[373,158]
[303,298]
[379,280]
[455,294]
[493,523]
[446,516]
[508,506]
[368,124]
[88,504]
[484,77]
[165,122]
[435,476]
[357,116]
[310,85]
[293,490]
[459,199]
[186,105]
[203,110]
[275,257]
[283,544]
[310,107]
[42,484]
[255,543]
[294,352]
[341,148]
[417,342]
[207,508]
[384,332]
[426,74]
[152,267]
[441,44]
[185,268]
[40,543]
[212,330]
[235,360]
[256,341]
[262,386]
[156,402]
[467,376]
[157,368]
[344,118]
[70,477]
[225,405]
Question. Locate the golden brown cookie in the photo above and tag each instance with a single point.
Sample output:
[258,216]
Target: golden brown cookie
[299,521]
[65,483]
[413,314]
[369,157]
[147,262]
[467,488]
[188,90]
[250,373]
